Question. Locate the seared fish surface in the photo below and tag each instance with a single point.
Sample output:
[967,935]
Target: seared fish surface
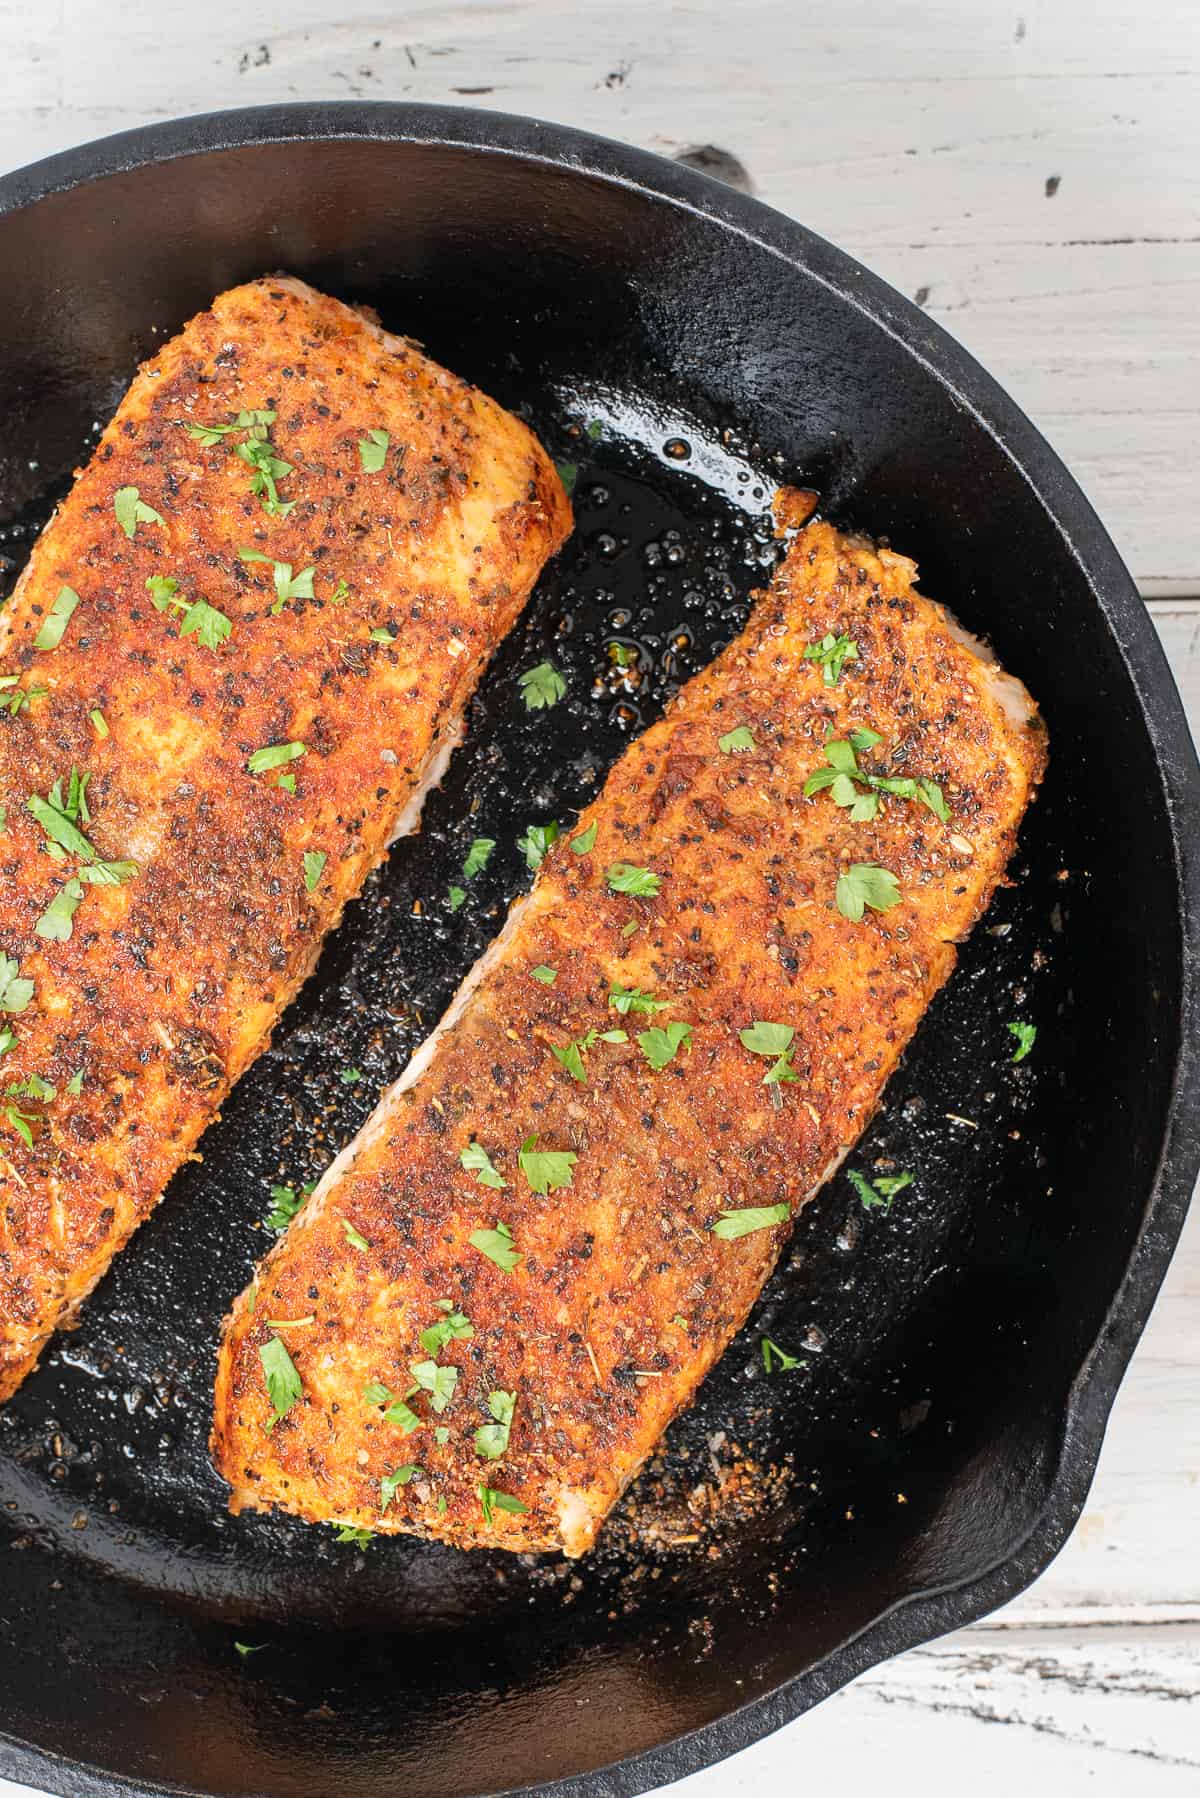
[240,651]
[500,1295]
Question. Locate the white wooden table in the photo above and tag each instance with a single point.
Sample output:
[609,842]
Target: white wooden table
[1030,170]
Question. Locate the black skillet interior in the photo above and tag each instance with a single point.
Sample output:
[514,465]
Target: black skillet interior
[935,1434]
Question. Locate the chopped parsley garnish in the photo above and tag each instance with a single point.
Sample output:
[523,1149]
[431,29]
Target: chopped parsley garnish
[497,1245]
[287,585]
[350,1076]
[572,1056]
[266,468]
[776,1359]
[832,653]
[256,422]
[286,783]
[56,619]
[372,451]
[75,1083]
[547,976]
[877,1195]
[865,884]
[99,723]
[736,742]
[744,1222]
[381,634]
[59,819]
[536,841]
[16,698]
[585,842]
[491,1439]
[275,755]
[354,1237]
[491,1501]
[358,1538]
[639,882]
[452,1327]
[391,1483]
[542,687]
[477,856]
[661,1046]
[622,654]
[631,998]
[245,1648]
[132,510]
[456,897]
[33,1087]
[397,1411]
[476,1160]
[285,1202]
[568,474]
[284,1384]
[15,993]
[546,1169]
[210,627]
[314,867]
[438,1382]
[8,1037]
[1026,1035]
[55,923]
[843,776]
[771,1039]
[21,1122]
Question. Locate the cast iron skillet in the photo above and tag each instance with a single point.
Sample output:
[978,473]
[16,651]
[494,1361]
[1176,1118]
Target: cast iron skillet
[959,1355]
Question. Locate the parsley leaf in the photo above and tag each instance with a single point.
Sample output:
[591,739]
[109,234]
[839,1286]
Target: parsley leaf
[391,1483]
[585,842]
[210,627]
[542,686]
[350,1076]
[858,791]
[314,867]
[266,469]
[246,1648]
[631,998]
[379,633]
[453,1327]
[350,1533]
[547,976]
[497,1245]
[776,1359]
[132,510]
[354,1237]
[275,755]
[1026,1035]
[491,1501]
[286,1202]
[640,882]
[55,923]
[15,993]
[572,1056]
[455,897]
[865,884]
[877,1195]
[744,1222]
[438,1382]
[284,1384]
[476,1160]
[21,1122]
[372,451]
[99,723]
[8,1037]
[75,1083]
[255,422]
[832,653]
[624,655]
[536,841]
[546,1169]
[477,856]
[491,1439]
[736,742]
[397,1412]
[568,474]
[18,698]
[661,1046]
[771,1039]
[56,619]
[287,585]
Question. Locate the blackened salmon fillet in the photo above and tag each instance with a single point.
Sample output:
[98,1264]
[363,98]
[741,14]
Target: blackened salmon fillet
[499,1296]
[240,652]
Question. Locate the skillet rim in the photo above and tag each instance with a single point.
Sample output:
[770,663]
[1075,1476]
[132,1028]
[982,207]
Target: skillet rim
[932,1612]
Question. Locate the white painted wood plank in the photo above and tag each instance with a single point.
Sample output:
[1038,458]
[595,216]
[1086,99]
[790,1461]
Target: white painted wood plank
[919,136]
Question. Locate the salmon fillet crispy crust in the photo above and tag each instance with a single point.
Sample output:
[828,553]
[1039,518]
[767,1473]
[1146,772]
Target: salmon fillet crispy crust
[444,1349]
[396,520]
